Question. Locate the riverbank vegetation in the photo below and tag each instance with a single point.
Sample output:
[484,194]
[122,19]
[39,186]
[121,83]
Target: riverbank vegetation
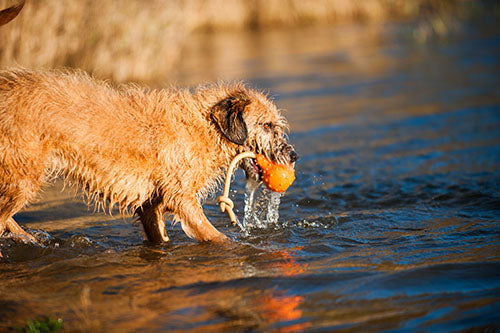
[142,40]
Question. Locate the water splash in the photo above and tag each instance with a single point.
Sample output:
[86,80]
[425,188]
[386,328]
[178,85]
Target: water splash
[261,207]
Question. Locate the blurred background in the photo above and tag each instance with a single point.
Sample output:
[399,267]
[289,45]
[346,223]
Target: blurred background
[393,222]
[145,40]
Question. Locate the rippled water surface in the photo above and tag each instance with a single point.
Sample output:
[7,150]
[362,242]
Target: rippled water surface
[391,224]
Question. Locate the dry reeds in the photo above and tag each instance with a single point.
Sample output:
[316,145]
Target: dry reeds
[142,39]
[121,40]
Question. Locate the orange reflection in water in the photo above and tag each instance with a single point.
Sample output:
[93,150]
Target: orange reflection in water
[287,264]
[278,306]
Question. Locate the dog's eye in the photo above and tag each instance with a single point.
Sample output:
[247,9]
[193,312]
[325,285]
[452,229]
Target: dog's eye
[268,126]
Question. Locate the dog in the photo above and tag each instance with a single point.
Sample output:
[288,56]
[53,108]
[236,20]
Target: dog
[150,152]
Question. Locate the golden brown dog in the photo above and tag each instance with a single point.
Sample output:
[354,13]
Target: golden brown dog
[153,152]
[150,151]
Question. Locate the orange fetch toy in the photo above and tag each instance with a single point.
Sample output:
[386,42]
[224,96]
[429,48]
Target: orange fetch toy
[276,177]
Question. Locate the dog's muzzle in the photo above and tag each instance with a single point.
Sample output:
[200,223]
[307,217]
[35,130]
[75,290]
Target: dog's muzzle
[293,156]
[287,155]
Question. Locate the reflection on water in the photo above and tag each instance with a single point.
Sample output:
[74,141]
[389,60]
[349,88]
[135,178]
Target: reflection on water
[391,224]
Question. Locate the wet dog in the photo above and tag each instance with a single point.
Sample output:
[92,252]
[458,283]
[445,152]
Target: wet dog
[147,151]
[151,152]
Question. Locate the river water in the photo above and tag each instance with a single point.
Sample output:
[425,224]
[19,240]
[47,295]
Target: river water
[392,224]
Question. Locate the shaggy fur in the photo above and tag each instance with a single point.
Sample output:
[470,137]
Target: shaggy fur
[150,151]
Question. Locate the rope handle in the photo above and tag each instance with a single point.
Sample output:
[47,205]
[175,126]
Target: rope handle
[226,204]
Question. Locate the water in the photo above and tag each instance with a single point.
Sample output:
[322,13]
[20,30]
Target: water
[261,207]
[392,223]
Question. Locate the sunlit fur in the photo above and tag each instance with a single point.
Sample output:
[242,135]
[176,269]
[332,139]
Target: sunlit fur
[150,151]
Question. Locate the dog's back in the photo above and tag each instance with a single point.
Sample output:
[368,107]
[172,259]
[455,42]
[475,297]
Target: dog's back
[68,123]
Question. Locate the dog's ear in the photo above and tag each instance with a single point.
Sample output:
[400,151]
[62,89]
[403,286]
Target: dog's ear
[228,115]
[10,13]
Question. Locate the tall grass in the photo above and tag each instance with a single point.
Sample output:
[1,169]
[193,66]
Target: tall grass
[122,40]
[142,39]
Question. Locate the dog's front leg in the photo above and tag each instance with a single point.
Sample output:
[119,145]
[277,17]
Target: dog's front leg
[195,224]
[151,216]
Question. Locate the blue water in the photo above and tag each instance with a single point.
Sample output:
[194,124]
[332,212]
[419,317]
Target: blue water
[392,224]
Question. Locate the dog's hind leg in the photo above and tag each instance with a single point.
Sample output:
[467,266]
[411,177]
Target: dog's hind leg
[12,199]
[21,177]
[8,206]
[17,233]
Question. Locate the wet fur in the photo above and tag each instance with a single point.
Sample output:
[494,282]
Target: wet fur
[150,151]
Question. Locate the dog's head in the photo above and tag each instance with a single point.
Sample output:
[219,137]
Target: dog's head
[250,120]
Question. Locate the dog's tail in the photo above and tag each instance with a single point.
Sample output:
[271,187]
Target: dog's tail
[10,13]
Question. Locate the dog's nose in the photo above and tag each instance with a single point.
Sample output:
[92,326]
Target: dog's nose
[293,156]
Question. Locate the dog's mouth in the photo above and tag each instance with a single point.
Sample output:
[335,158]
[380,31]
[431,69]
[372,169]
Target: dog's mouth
[252,169]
